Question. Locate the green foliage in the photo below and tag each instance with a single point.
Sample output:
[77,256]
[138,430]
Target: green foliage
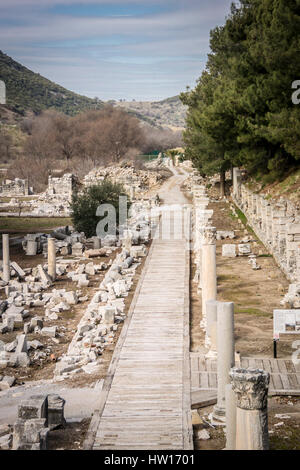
[29,91]
[32,224]
[84,205]
[241,111]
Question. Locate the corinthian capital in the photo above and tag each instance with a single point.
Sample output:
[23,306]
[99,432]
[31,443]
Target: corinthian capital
[209,235]
[251,387]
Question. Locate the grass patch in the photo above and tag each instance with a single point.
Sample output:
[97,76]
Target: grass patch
[251,311]
[286,439]
[265,256]
[6,199]
[31,224]
[227,277]
[241,216]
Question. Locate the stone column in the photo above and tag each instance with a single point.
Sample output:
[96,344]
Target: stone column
[208,269]
[96,243]
[6,261]
[31,248]
[251,389]
[51,258]
[225,345]
[127,240]
[132,192]
[230,401]
[236,182]
[211,330]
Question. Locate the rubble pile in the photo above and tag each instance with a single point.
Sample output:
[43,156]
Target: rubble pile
[67,242]
[16,187]
[106,310]
[133,180]
[292,298]
[43,205]
[55,201]
[30,288]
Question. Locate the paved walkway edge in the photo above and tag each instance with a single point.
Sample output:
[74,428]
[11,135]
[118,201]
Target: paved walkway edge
[92,431]
[187,384]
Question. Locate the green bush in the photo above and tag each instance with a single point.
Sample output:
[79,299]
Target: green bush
[84,205]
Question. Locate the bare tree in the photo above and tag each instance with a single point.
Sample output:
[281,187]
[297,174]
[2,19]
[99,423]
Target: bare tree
[6,145]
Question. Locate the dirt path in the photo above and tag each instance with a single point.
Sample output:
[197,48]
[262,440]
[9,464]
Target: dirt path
[169,192]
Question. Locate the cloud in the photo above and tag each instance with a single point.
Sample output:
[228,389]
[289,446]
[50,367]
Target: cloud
[155,55]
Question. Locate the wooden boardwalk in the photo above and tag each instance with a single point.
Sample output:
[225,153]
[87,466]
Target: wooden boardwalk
[284,375]
[145,403]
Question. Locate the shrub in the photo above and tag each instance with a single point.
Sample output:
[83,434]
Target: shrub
[84,205]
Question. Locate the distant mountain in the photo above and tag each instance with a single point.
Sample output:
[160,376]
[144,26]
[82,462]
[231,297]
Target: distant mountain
[29,91]
[166,113]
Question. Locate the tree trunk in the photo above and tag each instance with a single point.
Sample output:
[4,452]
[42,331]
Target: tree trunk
[222,184]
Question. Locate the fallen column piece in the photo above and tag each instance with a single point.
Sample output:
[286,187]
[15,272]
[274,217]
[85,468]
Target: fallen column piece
[51,258]
[6,261]
[36,417]
[95,253]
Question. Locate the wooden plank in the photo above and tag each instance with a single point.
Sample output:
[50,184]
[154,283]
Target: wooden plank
[267,365]
[203,398]
[274,366]
[277,381]
[285,381]
[204,380]
[290,367]
[282,381]
[91,433]
[245,362]
[148,397]
[294,385]
[282,367]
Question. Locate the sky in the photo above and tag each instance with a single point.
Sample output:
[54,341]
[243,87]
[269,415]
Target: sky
[113,49]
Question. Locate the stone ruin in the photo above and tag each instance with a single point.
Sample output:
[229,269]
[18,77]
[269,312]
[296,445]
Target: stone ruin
[241,393]
[62,186]
[37,416]
[276,223]
[133,180]
[25,289]
[55,201]
[16,187]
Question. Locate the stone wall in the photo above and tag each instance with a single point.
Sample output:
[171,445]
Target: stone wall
[276,223]
[63,185]
[16,187]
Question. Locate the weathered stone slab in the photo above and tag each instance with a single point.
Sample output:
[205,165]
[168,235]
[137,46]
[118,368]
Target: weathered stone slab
[56,406]
[36,407]
[229,251]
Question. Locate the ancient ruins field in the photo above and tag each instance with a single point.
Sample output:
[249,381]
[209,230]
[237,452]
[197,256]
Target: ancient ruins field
[89,332]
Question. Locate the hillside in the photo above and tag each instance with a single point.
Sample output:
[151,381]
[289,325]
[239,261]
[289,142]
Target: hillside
[27,90]
[166,113]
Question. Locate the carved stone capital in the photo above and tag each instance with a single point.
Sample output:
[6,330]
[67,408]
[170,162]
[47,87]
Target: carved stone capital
[209,235]
[251,387]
